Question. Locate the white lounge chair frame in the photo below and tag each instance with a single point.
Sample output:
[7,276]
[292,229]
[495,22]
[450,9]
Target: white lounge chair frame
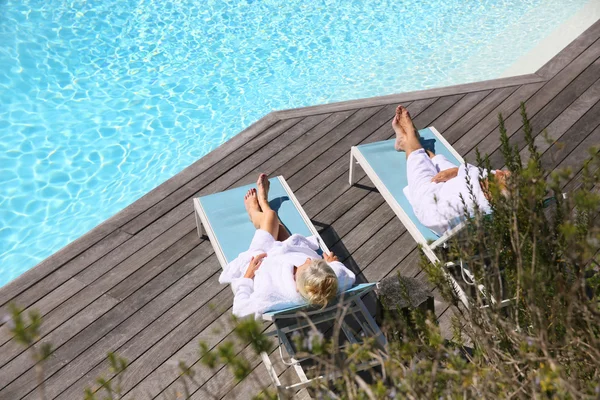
[356,158]
[352,305]
[202,221]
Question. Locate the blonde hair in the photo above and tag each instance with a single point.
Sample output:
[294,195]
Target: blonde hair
[318,284]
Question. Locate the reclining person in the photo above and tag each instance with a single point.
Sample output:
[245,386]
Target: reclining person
[280,270]
[435,185]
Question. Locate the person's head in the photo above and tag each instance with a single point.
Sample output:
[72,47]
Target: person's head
[316,282]
[501,177]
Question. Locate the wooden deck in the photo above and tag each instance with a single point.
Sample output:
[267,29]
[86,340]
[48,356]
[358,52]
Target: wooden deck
[144,285]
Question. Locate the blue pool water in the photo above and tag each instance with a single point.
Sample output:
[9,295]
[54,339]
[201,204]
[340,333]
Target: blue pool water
[102,100]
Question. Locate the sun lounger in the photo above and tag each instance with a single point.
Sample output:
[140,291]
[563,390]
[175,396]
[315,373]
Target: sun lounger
[224,219]
[387,170]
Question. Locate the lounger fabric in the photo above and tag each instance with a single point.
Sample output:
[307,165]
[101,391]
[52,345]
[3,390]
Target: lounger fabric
[390,167]
[229,219]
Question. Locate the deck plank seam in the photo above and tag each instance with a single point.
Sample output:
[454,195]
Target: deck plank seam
[92,322]
[139,309]
[518,135]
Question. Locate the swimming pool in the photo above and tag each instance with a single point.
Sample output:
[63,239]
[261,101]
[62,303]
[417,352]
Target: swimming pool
[101,101]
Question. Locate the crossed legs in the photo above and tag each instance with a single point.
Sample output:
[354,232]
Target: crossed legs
[260,212]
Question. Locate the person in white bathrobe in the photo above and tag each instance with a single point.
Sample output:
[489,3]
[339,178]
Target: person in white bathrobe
[435,185]
[280,270]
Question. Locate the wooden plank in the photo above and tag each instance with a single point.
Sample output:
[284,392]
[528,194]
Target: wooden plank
[574,49]
[94,243]
[212,172]
[542,97]
[575,135]
[18,376]
[102,264]
[415,107]
[389,258]
[43,306]
[440,106]
[41,287]
[336,122]
[329,147]
[577,181]
[339,226]
[366,227]
[324,152]
[226,150]
[222,381]
[462,127]
[341,202]
[581,153]
[94,238]
[69,310]
[410,266]
[164,311]
[168,372]
[555,107]
[411,96]
[458,110]
[175,339]
[466,137]
[91,323]
[216,179]
[149,350]
[385,237]
[565,120]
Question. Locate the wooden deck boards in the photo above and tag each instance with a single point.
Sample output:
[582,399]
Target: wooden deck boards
[144,285]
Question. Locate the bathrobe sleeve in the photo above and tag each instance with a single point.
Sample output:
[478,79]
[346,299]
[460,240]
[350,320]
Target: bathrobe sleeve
[242,293]
[345,277]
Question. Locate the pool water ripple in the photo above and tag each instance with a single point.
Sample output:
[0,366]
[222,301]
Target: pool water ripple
[101,101]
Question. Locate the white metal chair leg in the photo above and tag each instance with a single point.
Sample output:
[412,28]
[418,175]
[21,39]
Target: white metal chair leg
[353,163]
[270,369]
[198,224]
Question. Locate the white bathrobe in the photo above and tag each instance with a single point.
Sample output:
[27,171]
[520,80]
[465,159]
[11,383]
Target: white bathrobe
[438,205]
[274,287]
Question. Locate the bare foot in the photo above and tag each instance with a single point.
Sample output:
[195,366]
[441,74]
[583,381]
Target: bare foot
[400,143]
[263,185]
[252,206]
[406,122]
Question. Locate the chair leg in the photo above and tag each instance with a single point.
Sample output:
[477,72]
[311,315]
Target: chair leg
[270,369]
[374,327]
[352,162]
[198,224]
